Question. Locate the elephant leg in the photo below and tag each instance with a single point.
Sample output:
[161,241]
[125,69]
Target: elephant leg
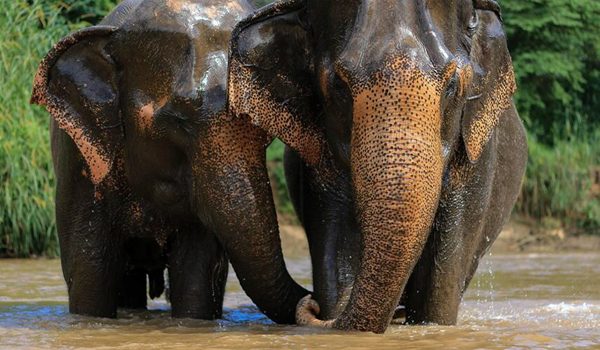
[91,257]
[327,217]
[93,286]
[234,199]
[132,291]
[197,274]
[91,248]
[438,281]
[93,276]
[435,288]
[462,233]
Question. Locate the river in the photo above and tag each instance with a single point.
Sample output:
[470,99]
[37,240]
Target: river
[515,302]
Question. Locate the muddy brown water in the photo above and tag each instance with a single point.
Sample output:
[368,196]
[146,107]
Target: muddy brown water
[515,302]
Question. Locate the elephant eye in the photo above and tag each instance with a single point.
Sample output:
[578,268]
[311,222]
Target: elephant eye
[473,23]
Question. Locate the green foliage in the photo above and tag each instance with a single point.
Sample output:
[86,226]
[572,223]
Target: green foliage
[26,177]
[555,46]
[559,180]
[277,175]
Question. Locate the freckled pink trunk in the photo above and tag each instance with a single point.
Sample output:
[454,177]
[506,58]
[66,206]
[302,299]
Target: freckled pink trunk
[397,174]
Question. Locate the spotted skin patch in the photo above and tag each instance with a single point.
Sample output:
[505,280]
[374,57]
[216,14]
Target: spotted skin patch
[492,106]
[270,97]
[248,99]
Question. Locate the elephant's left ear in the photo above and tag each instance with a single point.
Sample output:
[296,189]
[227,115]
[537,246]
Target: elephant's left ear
[271,77]
[493,83]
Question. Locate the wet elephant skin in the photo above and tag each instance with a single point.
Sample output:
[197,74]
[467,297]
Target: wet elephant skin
[152,172]
[418,152]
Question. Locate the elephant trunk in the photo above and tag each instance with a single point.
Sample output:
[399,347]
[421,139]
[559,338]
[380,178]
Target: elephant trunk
[234,199]
[397,173]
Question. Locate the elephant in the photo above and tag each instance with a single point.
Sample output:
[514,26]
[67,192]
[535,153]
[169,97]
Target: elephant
[421,150]
[152,171]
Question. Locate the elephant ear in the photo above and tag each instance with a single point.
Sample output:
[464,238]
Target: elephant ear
[77,83]
[271,77]
[493,82]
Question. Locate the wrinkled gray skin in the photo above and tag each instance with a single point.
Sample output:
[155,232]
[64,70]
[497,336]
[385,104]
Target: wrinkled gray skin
[151,171]
[414,101]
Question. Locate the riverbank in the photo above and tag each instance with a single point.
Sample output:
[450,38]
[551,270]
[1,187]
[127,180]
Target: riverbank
[521,237]
[517,237]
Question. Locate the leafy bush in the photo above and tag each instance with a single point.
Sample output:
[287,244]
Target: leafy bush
[555,45]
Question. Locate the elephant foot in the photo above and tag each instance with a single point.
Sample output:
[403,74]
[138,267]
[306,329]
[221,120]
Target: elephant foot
[307,311]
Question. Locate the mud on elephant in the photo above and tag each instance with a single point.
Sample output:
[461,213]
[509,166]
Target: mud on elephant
[152,173]
[414,102]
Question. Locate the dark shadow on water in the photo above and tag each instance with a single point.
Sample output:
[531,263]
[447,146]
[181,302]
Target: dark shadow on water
[57,317]
[245,314]
[33,316]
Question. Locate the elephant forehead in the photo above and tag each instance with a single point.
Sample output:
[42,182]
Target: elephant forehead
[180,43]
[185,16]
[213,13]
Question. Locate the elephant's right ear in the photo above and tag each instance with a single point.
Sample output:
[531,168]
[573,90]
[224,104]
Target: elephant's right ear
[77,83]
[271,77]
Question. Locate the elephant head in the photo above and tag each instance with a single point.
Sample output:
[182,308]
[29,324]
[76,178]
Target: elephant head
[397,87]
[143,96]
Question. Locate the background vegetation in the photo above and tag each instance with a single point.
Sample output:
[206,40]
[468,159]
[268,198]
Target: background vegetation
[26,178]
[556,51]
[555,46]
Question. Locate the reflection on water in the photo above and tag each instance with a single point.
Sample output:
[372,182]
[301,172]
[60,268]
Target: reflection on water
[517,302]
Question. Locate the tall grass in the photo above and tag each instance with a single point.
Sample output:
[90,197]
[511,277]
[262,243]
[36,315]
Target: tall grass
[560,182]
[26,178]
